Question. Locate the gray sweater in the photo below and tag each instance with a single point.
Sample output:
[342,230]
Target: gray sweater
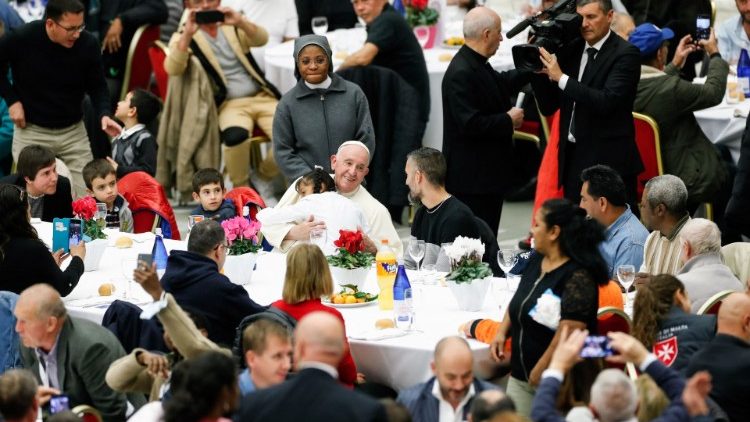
[705,275]
[309,126]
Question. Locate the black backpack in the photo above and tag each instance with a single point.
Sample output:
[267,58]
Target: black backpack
[273,314]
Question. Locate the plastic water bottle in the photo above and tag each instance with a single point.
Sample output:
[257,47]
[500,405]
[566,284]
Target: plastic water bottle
[159,253]
[402,299]
[385,269]
[743,72]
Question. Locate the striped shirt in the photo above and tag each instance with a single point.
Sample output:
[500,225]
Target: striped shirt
[661,254]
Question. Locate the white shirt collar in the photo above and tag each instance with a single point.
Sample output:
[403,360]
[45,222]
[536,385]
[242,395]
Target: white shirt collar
[127,132]
[330,370]
[323,85]
[600,43]
[445,409]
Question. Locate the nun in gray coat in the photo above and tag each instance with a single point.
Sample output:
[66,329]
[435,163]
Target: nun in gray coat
[319,113]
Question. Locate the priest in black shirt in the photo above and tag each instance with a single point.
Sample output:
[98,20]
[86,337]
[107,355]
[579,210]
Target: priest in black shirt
[391,44]
[54,62]
[442,217]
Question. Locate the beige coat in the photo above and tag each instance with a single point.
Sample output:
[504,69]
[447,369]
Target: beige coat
[127,375]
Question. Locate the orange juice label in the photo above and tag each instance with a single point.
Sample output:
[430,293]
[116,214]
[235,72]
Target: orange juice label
[386,268]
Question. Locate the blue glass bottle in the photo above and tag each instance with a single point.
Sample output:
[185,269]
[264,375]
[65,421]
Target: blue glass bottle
[402,299]
[743,72]
[159,253]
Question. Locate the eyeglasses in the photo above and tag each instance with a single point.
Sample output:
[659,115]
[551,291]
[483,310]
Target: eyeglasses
[71,30]
[225,244]
[21,192]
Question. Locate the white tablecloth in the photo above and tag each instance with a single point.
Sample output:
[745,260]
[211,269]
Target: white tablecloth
[398,362]
[724,124]
[280,70]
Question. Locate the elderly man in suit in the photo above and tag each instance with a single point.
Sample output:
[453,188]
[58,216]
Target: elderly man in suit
[68,354]
[593,82]
[479,120]
[314,393]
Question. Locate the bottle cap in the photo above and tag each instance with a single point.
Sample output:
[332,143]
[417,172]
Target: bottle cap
[157,231]
[383,241]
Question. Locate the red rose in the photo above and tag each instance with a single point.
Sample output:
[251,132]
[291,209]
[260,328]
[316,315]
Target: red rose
[85,208]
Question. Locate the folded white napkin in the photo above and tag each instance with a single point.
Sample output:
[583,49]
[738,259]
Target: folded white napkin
[375,335]
[89,302]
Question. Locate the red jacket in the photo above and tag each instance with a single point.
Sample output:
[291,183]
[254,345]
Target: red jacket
[347,369]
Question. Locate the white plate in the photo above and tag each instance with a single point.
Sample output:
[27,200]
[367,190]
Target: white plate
[350,305]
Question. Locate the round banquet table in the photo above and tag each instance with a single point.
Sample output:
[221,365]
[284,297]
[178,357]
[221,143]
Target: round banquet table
[724,124]
[280,69]
[398,362]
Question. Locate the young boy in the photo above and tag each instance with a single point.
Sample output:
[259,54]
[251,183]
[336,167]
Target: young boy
[135,148]
[208,190]
[101,183]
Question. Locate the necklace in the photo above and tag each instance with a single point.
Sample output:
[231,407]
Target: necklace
[434,210]
[34,197]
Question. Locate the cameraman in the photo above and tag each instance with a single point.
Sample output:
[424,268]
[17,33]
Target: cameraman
[593,82]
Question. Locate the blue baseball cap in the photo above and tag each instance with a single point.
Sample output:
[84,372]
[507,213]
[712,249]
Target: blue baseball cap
[649,37]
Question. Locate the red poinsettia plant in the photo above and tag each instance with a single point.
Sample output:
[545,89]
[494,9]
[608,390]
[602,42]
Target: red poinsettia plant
[85,209]
[418,14]
[351,251]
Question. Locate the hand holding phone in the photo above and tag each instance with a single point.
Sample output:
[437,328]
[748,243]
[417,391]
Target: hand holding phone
[702,28]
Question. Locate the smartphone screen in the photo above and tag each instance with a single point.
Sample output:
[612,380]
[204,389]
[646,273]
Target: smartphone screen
[145,259]
[209,16]
[702,27]
[75,232]
[58,404]
[596,347]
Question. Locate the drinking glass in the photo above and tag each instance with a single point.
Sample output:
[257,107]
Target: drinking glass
[127,266]
[193,220]
[416,251]
[101,215]
[507,259]
[320,25]
[626,275]
[318,237]
[430,275]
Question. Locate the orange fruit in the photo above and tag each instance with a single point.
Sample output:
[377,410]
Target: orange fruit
[338,299]
[350,299]
[361,300]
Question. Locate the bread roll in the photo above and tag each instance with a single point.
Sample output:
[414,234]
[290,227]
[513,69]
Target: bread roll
[124,242]
[445,57]
[384,323]
[106,289]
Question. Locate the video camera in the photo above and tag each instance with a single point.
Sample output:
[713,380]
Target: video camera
[553,28]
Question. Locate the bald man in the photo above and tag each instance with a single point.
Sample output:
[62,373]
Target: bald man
[447,396]
[727,358]
[479,119]
[68,354]
[313,394]
[350,165]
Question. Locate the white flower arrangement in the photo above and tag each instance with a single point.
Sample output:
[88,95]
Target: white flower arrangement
[465,255]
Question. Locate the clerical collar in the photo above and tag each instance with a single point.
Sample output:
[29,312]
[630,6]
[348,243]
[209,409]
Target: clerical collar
[323,85]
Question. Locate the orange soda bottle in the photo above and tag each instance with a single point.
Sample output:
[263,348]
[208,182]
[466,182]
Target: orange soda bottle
[386,267]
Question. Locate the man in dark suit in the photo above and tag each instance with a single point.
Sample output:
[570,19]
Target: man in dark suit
[66,354]
[313,394]
[727,357]
[478,119]
[593,81]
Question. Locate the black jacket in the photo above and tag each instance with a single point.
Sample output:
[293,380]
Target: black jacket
[312,395]
[603,100]
[195,282]
[477,130]
[57,205]
[727,359]
[739,204]
[25,262]
[690,332]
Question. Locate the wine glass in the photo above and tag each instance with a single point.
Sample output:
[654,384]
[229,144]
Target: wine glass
[101,215]
[318,237]
[320,25]
[416,250]
[127,266]
[193,220]
[626,275]
[423,35]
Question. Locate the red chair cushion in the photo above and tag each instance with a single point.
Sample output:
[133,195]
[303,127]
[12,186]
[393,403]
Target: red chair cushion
[147,200]
[645,138]
[156,56]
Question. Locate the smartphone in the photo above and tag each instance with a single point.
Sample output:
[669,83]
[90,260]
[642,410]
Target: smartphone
[596,347]
[208,16]
[145,259]
[702,27]
[75,232]
[60,238]
[58,403]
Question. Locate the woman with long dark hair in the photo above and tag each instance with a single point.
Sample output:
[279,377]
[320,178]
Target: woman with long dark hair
[24,258]
[662,321]
[567,264]
[206,392]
